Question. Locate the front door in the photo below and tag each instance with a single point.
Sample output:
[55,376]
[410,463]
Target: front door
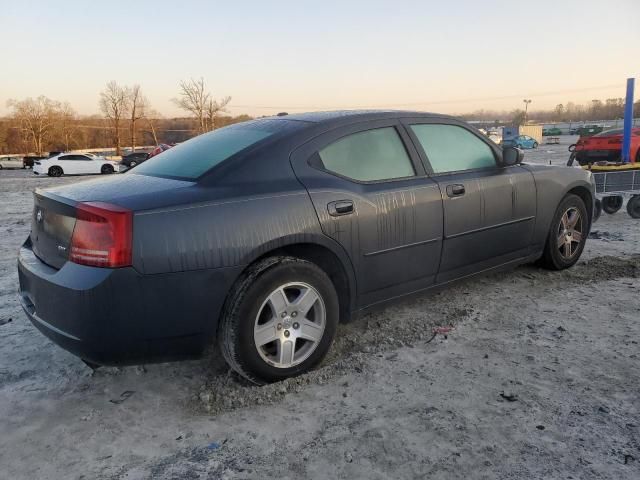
[489,210]
[372,196]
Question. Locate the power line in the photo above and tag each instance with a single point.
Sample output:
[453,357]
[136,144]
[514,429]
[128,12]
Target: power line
[429,102]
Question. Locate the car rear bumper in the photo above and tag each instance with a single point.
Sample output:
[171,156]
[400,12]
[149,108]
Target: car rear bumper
[118,316]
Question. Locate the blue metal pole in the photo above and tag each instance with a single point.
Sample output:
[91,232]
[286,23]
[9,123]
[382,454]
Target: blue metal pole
[628,122]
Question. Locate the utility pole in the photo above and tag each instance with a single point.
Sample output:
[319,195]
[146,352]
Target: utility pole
[526,107]
[628,123]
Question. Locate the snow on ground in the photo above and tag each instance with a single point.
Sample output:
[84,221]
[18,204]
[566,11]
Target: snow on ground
[538,379]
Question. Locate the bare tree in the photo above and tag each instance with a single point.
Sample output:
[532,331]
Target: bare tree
[151,118]
[195,99]
[65,124]
[138,104]
[214,108]
[36,118]
[114,104]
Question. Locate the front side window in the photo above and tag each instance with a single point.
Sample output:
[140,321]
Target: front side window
[367,156]
[450,148]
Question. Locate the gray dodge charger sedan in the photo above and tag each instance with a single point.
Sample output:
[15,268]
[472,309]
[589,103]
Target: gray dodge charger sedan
[264,235]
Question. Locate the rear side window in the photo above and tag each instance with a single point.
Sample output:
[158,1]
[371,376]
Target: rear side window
[450,148]
[368,156]
[194,157]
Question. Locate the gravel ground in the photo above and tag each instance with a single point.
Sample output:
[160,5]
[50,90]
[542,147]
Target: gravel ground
[537,378]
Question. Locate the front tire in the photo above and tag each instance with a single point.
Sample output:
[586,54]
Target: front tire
[106,169]
[279,321]
[567,235]
[535,144]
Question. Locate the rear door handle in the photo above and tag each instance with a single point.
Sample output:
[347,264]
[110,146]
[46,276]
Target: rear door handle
[340,207]
[455,190]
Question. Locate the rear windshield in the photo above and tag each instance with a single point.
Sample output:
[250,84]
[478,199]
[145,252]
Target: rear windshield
[194,157]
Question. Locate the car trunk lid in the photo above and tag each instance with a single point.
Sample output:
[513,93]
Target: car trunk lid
[52,224]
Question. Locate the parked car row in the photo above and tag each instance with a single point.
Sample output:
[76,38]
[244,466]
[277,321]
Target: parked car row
[74,164]
[605,146]
[60,163]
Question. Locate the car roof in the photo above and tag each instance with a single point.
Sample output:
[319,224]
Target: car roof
[340,117]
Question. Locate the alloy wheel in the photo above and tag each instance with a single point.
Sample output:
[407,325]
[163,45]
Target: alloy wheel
[289,325]
[569,233]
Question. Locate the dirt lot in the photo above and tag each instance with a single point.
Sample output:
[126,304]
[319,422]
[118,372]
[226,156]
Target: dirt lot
[539,378]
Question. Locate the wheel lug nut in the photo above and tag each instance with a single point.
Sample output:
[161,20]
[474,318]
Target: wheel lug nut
[286,333]
[279,326]
[296,325]
[283,314]
[294,314]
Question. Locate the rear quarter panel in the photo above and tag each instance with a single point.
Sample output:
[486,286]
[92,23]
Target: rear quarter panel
[221,233]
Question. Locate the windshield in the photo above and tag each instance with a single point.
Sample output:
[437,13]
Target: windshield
[195,157]
[606,133]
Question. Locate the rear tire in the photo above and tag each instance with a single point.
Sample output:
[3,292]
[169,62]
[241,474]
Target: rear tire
[567,235]
[633,206]
[107,169]
[251,309]
[612,204]
[55,171]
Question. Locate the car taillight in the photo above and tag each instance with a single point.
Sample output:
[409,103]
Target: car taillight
[102,235]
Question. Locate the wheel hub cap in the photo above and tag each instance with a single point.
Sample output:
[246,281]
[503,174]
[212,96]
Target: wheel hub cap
[289,325]
[569,233]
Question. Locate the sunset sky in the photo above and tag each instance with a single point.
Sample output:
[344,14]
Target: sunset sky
[271,56]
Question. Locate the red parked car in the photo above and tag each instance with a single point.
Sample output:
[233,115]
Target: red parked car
[159,149]
[606,146]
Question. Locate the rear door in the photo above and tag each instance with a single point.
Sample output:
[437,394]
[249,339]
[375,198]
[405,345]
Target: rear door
[489,210]
[83,164]
[67,163]
[372,196]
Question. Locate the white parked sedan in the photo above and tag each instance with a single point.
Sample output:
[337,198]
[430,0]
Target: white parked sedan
[10,162]
[74,164]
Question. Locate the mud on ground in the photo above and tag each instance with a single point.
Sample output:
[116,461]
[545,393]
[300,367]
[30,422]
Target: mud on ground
[538,378]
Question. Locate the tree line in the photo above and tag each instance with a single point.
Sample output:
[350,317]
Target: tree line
[38,125]
[127,119]
[608,109]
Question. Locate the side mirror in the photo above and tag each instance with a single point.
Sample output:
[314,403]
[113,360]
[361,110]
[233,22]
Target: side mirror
[512,156]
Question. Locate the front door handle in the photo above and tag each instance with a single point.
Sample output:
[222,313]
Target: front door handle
[340,207]
[455,190]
